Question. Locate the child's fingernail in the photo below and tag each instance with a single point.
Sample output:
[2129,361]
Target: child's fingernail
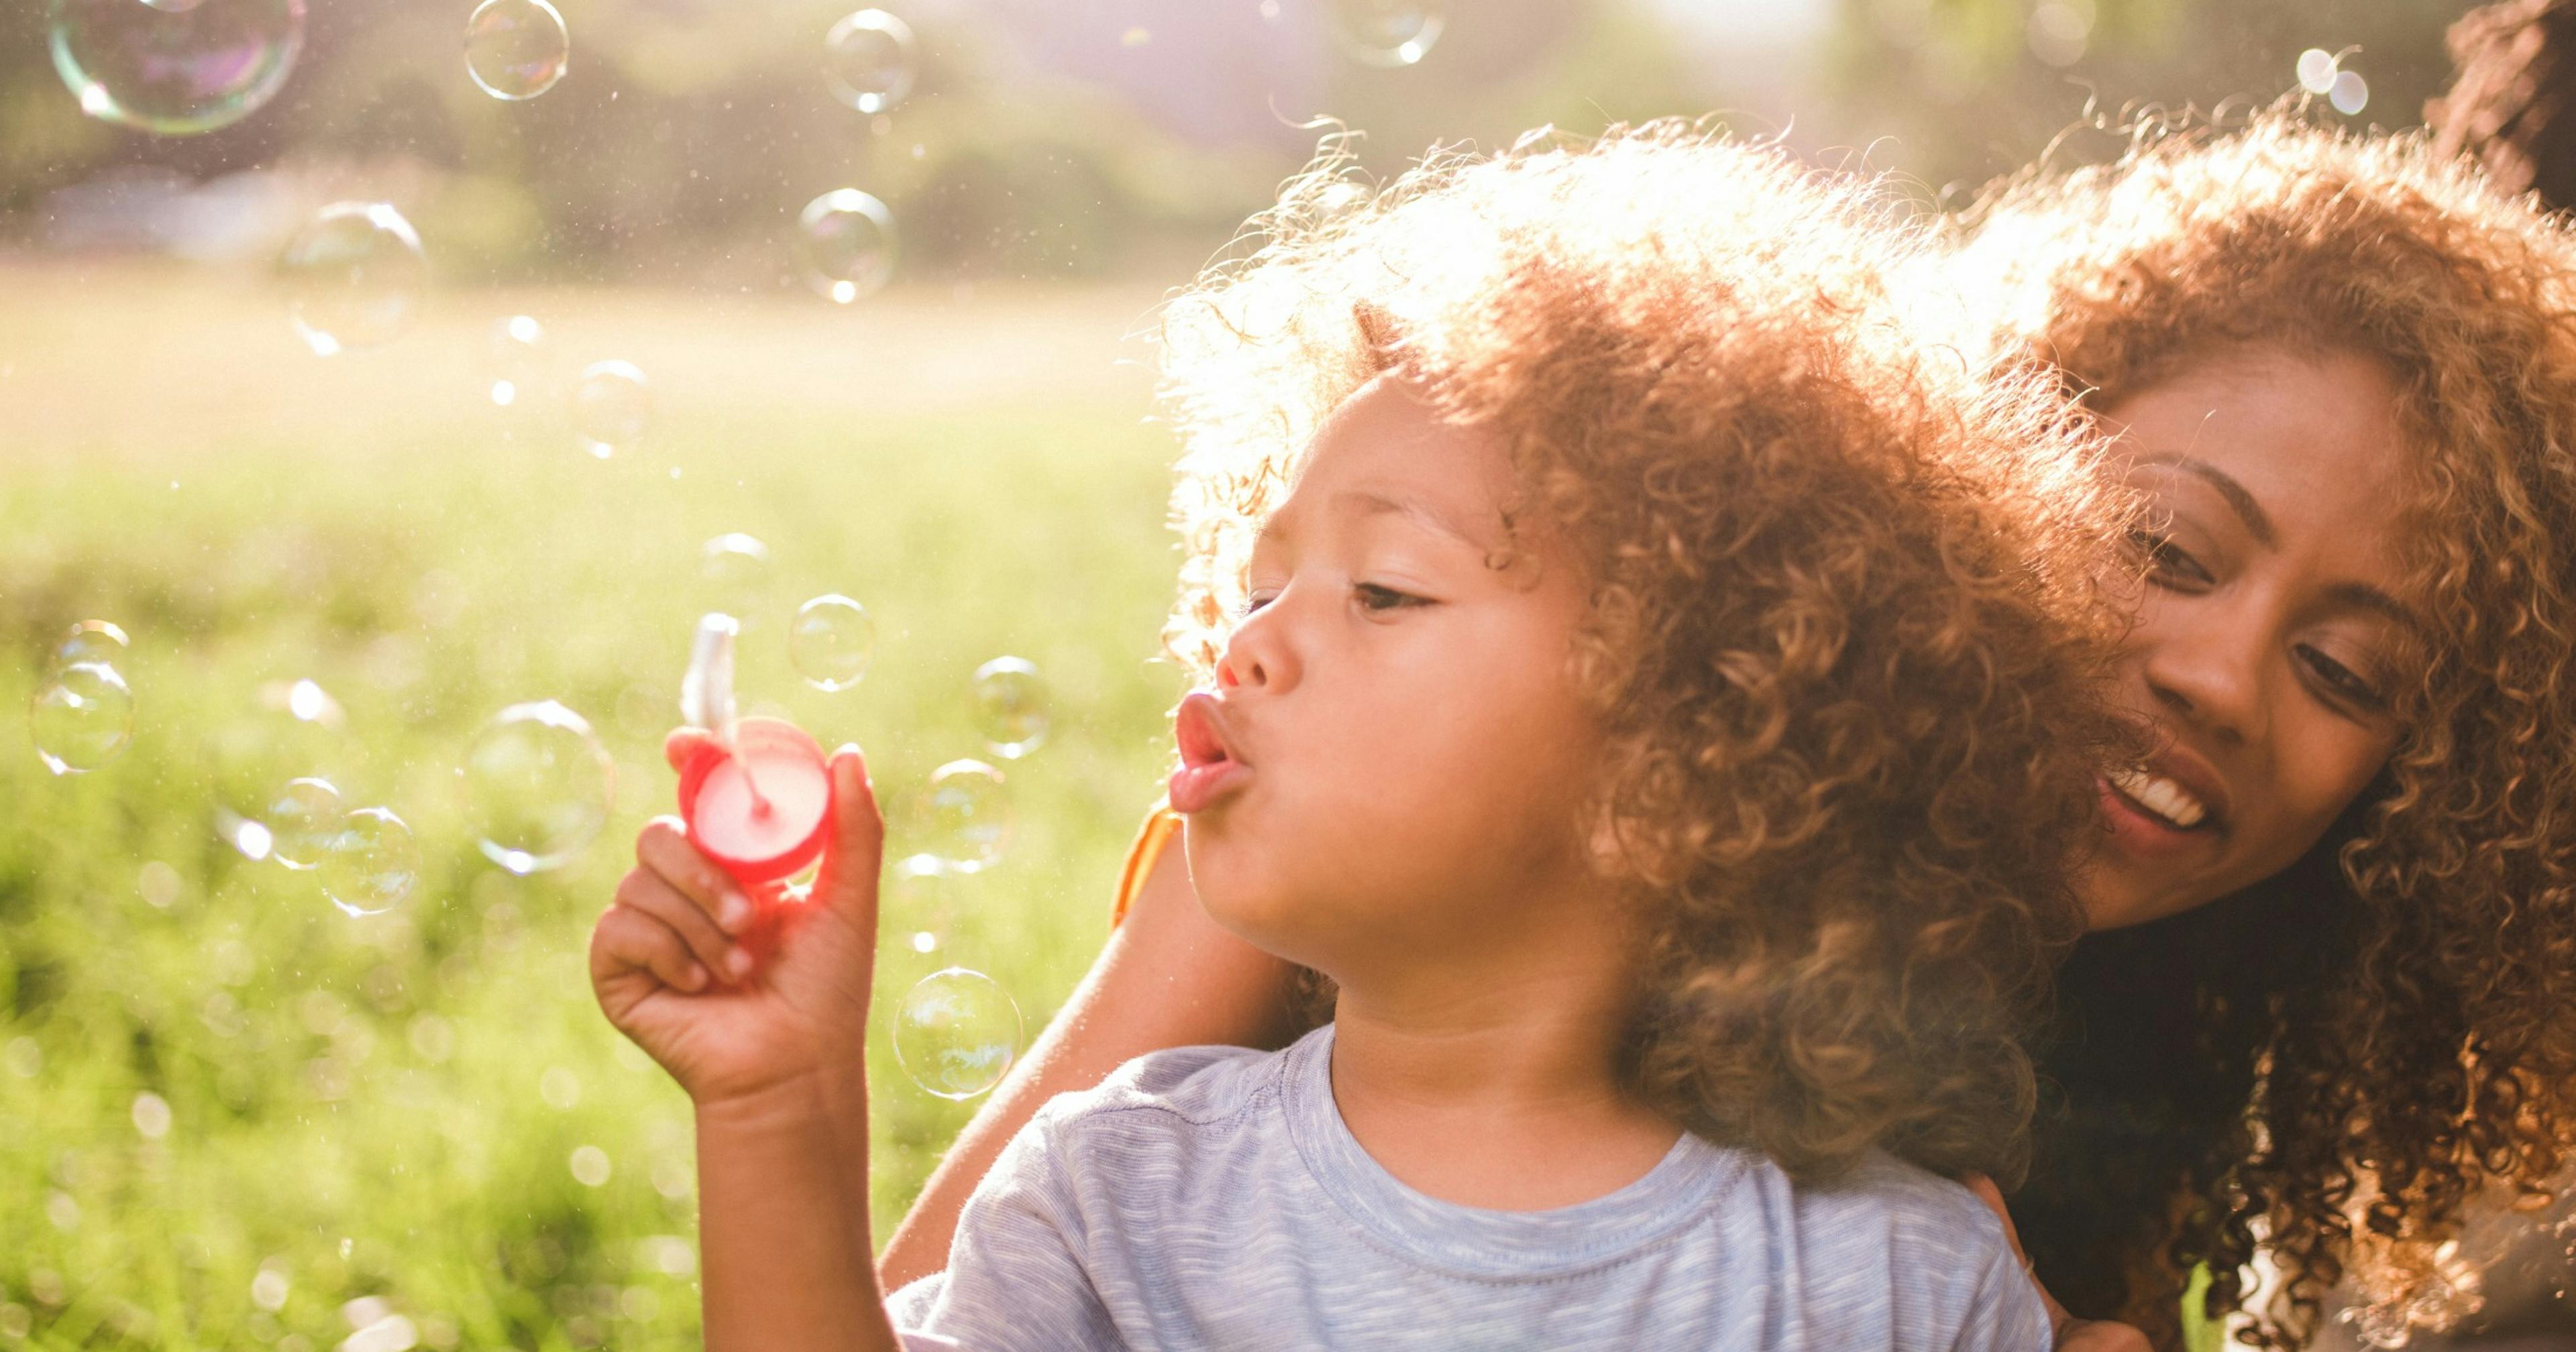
[734,913]
[738,963]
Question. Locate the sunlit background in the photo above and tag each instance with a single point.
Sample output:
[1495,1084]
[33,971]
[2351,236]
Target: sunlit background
[386,387]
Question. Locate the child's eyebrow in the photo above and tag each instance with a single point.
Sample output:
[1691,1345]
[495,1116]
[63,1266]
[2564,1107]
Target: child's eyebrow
[1368,503]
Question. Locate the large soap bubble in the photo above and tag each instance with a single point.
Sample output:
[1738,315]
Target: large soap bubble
[175,68]
[537,786]
[290,730]
[1010,706]
[868,59]
[369,863]
[611,407]
[354,276]
[516,49]
[845,245]
[965,816]
[1392,33]
[99,641]
[302,821]
[831,642]
[81,718]
[956,1033]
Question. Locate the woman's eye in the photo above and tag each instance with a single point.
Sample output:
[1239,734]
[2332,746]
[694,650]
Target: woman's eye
[1375,597]
[2169,564]
[2343,681]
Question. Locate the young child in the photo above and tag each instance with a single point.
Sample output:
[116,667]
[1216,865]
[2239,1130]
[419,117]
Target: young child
[1659,703]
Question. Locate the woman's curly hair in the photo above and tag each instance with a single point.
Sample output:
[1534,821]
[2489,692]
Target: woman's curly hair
[2325,1067]
[1844,634]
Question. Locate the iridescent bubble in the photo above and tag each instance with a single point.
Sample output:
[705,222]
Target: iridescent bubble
[2317,71]
[868,59]
[518,360]
[832,642]
[2350,94]
[611,407]
[537,786]
[845,245]
[516,49]
[292,729]
[354,277]
[1390,33]
[81,718]
[88,641]
[1010,706]
[736,571]
[301,821]
[966,816]
[370,863]
[956,1033]
[175,68]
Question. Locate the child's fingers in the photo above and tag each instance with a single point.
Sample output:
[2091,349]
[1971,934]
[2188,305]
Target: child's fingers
[848,882]
[646,891]
[663,846]
[682,744]
[627,939]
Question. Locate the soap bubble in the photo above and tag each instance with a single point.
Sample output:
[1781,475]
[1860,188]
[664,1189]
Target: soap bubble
[518,359]
[2317,71]
[611,407]
[516,49]
[845,245]
[301,821]
[88,641]
[966,816]
[175,68]
[956,1033]
[82,717]
[831,642]
[1010,706]
[2350,94]
[868,60]
[292,729]
[354,277]
[735,569]
[1392,33]
[370,863]
[537,786]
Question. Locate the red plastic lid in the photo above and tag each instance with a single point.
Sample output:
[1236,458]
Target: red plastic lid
[794,778]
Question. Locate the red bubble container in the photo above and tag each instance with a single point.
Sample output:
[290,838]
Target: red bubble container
[766,836]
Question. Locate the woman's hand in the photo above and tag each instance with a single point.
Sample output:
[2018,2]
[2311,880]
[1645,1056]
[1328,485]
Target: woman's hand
[739,998]
[2073,1334]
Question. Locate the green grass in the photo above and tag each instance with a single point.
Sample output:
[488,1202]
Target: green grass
[356,1104]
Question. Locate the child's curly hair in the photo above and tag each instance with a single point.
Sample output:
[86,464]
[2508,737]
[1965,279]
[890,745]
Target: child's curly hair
[2326,1066]
[1843,629]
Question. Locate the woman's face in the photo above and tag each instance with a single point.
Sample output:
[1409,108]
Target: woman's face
[2270,637]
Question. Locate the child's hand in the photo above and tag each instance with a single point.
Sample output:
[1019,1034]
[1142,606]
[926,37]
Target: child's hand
[2073,1334]
[736,997]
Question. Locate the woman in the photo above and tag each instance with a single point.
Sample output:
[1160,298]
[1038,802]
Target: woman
[2328,996]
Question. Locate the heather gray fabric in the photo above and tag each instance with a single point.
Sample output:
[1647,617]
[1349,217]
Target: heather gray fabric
[1210,1197]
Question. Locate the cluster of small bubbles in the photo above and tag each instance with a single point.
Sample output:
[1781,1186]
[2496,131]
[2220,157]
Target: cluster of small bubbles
[516,49]
[176,67]
[2321,72]
[354,276]
[735,568]
[81,718]
[1388,33]
[301,821]
[611,407]
[517,359]
[845,245]
[868,59]
[831,642]
[965,816]
[370,863]
[537,786]
[1010,706]
[956,1033]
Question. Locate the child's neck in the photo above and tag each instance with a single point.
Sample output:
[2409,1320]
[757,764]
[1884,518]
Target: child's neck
[1497,1088]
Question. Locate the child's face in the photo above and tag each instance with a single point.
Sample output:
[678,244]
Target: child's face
[1408,747]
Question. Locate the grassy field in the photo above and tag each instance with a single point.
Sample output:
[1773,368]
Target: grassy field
[384,1110]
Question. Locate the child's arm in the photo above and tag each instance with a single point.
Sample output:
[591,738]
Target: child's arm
[1169,977]
[769,1049]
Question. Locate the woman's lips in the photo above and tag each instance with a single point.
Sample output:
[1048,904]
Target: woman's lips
[2141,832]
[1210,768]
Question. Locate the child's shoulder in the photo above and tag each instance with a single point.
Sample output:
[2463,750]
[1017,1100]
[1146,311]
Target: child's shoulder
[1914,1203]
[1173,1089]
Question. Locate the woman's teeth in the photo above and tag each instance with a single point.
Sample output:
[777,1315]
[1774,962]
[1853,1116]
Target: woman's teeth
[2160,796]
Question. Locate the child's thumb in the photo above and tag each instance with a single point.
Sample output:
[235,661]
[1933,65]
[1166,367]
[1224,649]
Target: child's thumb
[848,882]
[682,744]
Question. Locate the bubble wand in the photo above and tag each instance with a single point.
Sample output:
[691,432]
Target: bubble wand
[757,795]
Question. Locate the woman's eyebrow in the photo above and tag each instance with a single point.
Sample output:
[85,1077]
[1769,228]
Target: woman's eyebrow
[2258,523]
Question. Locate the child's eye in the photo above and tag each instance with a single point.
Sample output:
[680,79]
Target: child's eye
[1375,597]
[1252,603]
[2168,564]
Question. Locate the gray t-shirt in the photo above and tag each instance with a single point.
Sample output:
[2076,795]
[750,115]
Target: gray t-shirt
[1210,1197]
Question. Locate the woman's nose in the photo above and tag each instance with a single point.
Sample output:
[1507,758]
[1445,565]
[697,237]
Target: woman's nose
[2211,674]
